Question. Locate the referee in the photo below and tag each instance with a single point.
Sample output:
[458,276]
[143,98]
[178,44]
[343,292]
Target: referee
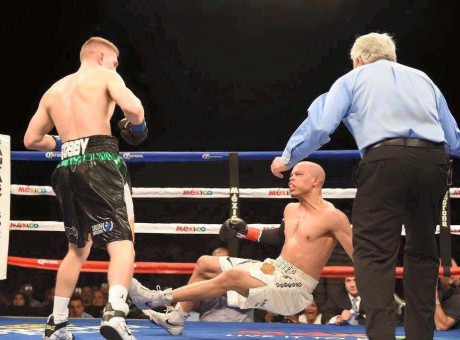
[404,132]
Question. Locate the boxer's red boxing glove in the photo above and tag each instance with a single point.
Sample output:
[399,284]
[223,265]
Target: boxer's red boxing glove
[239,228]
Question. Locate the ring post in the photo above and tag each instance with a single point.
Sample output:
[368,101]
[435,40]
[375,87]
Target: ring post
[445,239]
[5,195]
[233,244]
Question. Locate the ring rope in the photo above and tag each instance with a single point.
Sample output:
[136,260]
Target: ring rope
[182,268]
[163,228]
[198,156]
[271,193]
[176,268]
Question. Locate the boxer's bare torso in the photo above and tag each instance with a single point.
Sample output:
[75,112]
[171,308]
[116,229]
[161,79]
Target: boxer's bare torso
[311,235]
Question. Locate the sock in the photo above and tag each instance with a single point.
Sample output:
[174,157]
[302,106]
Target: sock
[183,314]
[167,297]
[117,298]
[60,310]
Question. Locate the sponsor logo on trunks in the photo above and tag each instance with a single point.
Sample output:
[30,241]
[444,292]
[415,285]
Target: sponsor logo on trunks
[33,189]
[206,192]
[103,227]
[129,155]
[72,231]
[261,303]
[53,154]
[190,229]
[74,147]
[278,193]
[289,285]
[209,156]
[18,225]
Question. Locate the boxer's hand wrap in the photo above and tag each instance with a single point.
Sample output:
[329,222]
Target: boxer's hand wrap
[133,134]
[236,227]
[58,141]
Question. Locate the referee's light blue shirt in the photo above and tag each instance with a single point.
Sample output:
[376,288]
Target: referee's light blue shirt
[376,101]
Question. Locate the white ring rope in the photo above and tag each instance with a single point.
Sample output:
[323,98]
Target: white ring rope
[162,228]
[185,228]
[329,193]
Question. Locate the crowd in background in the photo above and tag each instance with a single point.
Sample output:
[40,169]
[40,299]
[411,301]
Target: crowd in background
[336,301]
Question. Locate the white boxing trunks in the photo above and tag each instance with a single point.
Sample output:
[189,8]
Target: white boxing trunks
[287,289]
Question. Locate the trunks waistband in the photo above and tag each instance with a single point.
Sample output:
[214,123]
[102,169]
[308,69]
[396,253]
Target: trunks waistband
[286,267]
[90,144]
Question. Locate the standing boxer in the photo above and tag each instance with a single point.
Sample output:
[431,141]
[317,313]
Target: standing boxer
[91,181]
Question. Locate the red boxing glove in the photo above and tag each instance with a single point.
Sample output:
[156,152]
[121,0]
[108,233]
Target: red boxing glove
[239,228]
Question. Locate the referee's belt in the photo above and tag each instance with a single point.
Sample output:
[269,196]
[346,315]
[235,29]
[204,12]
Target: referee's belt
[411,142]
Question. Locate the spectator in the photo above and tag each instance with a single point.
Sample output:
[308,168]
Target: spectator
[311,314]
[447,312]
[345,308]
[28,290]
[98,302]
[77,309]
[217,309]
[105,289]
[20,305]
[98,299]
[21,299]
[87,295]
[49,297]
[3,300]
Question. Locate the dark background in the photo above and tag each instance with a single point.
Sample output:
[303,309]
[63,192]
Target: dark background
[220,74]
[212,75]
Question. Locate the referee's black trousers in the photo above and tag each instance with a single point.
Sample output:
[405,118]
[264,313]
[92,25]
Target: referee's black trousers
[398,185]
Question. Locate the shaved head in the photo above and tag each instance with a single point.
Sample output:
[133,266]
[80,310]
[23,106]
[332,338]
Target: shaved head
[314,169]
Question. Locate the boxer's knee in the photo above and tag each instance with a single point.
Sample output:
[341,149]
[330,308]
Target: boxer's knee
[79,254]
[208,267]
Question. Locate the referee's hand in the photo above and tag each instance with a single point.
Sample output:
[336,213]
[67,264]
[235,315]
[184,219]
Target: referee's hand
[278,167]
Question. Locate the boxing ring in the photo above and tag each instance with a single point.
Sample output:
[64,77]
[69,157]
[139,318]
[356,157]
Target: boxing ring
[29,328]
[20,328]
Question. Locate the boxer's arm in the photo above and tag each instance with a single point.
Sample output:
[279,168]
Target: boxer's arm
[442,321]
[125,99]
[341,230]
[273,236]
[237,227]
[36,137]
